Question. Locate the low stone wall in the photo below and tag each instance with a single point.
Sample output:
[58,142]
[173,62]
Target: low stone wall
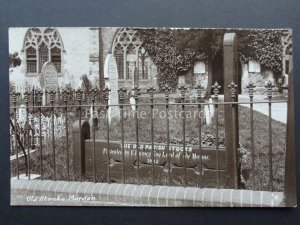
[63,193]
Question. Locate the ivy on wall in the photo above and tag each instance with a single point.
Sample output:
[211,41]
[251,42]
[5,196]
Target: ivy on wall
[174,51]
[264,46]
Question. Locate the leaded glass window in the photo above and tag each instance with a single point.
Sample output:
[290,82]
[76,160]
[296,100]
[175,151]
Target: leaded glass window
[31,60]
[126,49]
[56,58]
[42,45]
[43,55]
[119,56]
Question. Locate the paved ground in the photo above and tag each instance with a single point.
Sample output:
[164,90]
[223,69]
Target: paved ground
[279,110]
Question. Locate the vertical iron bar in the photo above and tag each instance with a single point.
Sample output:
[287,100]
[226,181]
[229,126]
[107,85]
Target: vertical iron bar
[106,97]
[94,92]
[121,95]
[67,142]
[15,140]
[52,96]
[252,143]
[200,144]
[79,98]
[152,144]
[151,91]
[41,143]
[66,94]
[199,96]
[182,96]
[122,133]
[27,95]
[94,144]
[39,94]
[270,146]
[137,141]
[168,143]
[14,101]
[136,92]
[167,90]
[28,139]
[108,145]
[216,88]
[233,94]
[217,144]
[80,140]
[183,143]
[250,90]
[269,87]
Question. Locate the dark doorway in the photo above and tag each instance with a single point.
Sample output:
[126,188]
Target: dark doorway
[218,71]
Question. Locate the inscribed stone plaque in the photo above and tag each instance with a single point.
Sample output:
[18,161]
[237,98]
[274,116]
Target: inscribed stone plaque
[49,77]
[199,67]
[160,151]
[111,72]
[254,66]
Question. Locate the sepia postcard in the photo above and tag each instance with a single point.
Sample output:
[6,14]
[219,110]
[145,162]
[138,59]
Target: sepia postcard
[159,117]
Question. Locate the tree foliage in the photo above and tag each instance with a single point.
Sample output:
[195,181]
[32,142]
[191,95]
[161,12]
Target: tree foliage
[174,51]
[14,60]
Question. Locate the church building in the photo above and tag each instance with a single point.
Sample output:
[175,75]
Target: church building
[78,52]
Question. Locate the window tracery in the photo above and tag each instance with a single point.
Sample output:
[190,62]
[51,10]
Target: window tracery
[40,46]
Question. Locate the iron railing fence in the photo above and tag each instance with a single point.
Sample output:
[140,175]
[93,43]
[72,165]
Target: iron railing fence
[53,112]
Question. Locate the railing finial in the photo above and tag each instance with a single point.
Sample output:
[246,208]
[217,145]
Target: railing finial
[269,87]
[105,92]
[39,95]
[251,87]
[166,89]
[52,93]
[216,89]
[27,94]
[121,93]
[79,93]
[233,90]
[94,91]
[151,90]
[136,92]
[65,92]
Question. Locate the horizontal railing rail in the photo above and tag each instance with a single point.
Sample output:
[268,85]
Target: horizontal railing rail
[160,104]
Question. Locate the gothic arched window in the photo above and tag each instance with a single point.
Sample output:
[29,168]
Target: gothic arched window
[129,55]
[42,45]
[31,60]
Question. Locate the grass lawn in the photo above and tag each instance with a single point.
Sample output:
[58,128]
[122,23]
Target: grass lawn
[208,137]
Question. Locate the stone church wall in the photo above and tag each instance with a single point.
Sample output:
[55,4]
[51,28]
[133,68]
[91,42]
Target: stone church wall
[75,58]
